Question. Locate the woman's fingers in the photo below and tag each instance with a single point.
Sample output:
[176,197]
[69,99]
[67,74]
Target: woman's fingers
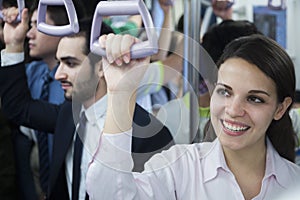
[117,48]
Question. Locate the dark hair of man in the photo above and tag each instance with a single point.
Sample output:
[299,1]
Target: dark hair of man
[218,36]
[85,26]
[276,64]
[59,13]
[85,31]
[297,96]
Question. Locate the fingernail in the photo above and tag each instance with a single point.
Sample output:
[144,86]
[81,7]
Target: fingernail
[109,59]
[126,59]
[118,62]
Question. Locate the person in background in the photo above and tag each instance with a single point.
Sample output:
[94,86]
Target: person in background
[8,183]
[34,148]
[166,38]
[295,117]
[222,9]
[297,99]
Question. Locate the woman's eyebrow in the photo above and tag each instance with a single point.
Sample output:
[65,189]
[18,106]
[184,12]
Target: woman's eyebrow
[224,85]
[251,91]
[259,91]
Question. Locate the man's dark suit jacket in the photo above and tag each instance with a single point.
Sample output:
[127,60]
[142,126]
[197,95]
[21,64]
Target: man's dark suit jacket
[58,119]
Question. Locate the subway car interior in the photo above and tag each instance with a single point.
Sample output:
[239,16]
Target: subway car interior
[150,99]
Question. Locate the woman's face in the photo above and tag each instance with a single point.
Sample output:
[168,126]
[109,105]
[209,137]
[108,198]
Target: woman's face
[243,105]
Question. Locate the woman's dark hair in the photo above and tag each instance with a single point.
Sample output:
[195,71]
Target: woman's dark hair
[275,63]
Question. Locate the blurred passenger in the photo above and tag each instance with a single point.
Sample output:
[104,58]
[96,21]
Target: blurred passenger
[34,148]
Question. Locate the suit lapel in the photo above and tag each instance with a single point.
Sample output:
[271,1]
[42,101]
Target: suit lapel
[63,138]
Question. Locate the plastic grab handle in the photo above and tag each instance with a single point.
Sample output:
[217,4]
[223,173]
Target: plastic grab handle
[21,6]
[224,4]
[72,27]
[169,2]
[282,5]
[132,7]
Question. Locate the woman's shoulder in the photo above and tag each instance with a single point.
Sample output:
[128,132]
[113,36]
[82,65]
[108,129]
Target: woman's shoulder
[286,172]
[292,168]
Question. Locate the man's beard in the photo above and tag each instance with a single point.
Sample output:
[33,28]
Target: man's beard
[68,98]
[85,90]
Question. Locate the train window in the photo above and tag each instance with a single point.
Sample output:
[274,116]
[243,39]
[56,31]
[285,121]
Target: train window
[271,23]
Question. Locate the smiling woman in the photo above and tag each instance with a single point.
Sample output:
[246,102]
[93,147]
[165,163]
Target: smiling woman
[272,78]
[249,113]
[245,110]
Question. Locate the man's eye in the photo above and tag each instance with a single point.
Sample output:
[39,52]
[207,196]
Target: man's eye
[71,64]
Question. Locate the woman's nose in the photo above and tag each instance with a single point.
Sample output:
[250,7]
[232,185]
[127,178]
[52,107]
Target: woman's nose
[235,107]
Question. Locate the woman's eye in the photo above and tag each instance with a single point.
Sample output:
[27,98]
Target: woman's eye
[223,92]
[255,99]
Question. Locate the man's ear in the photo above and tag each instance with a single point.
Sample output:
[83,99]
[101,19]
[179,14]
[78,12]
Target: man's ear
[282,108]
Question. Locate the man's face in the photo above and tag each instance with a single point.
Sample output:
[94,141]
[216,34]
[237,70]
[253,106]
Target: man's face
[41,45]
[78,79]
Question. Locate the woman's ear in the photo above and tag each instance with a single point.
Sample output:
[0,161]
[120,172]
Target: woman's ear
[282,108]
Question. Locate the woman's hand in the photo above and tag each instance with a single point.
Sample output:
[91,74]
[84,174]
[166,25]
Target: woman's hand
[122,73]
[123,76]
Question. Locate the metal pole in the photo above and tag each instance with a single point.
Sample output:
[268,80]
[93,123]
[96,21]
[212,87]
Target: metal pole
[186,31]
[192,21]
[194,70]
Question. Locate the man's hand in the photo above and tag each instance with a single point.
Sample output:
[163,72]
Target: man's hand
[221,10]
[14,33]
[165,6]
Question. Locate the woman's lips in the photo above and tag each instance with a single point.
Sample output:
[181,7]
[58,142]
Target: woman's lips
[234,128]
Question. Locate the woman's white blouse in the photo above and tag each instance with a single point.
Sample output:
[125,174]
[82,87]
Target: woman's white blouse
[187,172]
